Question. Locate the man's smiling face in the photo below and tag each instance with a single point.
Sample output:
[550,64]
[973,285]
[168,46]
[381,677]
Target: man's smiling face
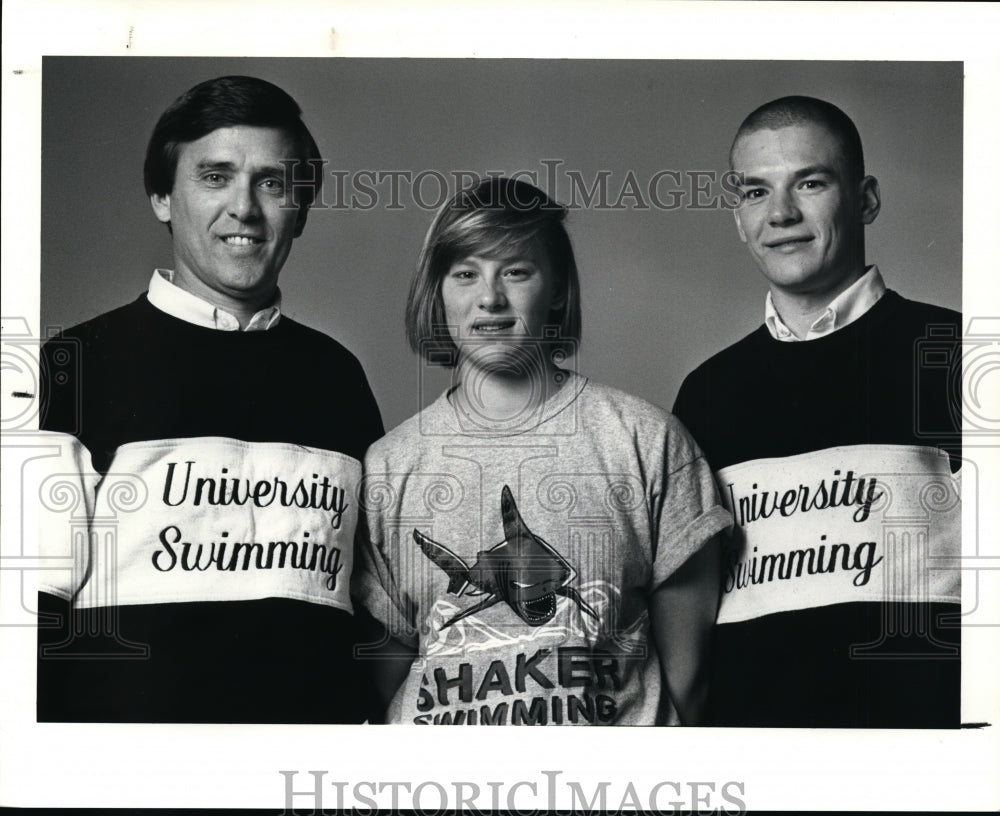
[803,211]
[231,223]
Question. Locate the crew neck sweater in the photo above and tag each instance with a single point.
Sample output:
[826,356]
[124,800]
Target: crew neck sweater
[838,458]
[214,604]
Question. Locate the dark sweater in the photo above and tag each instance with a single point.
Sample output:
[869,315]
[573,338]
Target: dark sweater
[883,381]
[138,375]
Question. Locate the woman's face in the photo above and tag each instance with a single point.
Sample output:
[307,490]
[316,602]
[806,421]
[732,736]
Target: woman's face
[499,305]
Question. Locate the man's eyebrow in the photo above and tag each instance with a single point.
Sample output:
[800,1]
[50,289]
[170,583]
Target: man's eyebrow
[208,164]
[811,170]
[270,170]
[266,170]
[815,170]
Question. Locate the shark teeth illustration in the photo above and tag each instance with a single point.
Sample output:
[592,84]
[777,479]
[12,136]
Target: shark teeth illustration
[524,571]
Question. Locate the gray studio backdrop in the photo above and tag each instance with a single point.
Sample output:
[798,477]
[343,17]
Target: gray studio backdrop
[665,279]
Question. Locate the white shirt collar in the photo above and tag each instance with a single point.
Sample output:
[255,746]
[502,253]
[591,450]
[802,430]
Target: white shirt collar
[844,309]
[166,296]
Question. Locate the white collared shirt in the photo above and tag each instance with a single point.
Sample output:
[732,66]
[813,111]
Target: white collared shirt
[166,296]
[847,307]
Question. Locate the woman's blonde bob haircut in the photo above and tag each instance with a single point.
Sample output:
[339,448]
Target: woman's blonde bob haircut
[495,218]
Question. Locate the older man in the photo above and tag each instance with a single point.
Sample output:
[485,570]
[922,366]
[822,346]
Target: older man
[221,594]
[835,452]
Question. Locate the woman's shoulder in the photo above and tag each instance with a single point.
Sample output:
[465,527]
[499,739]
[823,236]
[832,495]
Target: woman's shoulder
[403,434]
[623,402]
[643,418]
[406,439]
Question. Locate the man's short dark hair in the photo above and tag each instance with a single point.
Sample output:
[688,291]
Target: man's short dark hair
[802,110]
[231,101]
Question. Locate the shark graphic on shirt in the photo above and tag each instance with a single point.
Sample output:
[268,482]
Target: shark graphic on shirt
[524,571]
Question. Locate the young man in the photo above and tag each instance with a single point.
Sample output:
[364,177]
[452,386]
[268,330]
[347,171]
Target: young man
[840,591]
[215,588]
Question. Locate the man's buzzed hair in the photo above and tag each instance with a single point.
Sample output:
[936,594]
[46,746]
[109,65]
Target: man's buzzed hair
[804,110]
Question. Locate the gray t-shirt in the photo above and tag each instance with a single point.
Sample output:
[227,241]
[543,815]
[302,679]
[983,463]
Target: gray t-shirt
[518,556]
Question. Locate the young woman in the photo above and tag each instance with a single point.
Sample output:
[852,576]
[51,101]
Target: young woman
[541,547]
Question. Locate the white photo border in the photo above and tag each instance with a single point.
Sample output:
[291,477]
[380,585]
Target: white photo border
[238,765]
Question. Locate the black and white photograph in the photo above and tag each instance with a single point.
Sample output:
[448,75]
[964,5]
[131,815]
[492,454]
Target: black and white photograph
[353,384]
